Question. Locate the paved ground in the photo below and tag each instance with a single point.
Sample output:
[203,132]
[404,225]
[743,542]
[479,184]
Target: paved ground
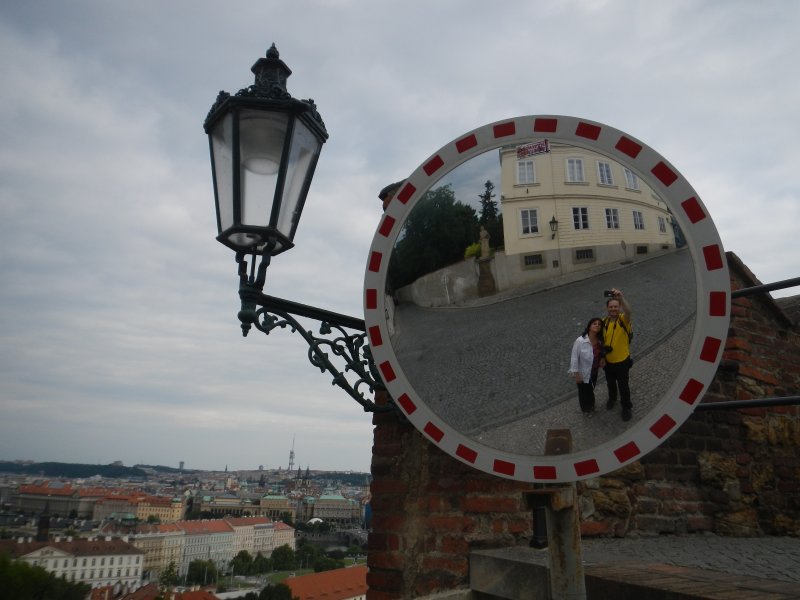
[496,369]
[771,558]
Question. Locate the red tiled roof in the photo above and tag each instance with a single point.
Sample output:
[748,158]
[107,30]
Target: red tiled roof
[151,592]
[244,521]
[204,526]
[330,585]
[78,547]
[46,490]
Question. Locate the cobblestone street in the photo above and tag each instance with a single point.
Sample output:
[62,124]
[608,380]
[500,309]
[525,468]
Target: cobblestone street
[497,370]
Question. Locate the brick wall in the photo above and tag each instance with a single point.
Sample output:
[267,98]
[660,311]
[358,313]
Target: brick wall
[728,472]
[429,511]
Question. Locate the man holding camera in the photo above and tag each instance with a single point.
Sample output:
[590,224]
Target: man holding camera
[617,335]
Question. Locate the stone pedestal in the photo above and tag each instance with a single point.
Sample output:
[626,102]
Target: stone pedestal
[486,285]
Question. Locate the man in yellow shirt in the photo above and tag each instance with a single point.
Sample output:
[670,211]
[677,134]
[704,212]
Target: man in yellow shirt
[616,342]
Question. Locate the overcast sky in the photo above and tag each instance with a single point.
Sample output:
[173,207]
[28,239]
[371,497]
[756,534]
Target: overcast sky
[118,331]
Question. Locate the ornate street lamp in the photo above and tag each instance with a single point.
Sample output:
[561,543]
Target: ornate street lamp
[264,148]
[553,227]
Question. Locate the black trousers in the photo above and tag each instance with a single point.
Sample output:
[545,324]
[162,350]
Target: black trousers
[586,396]
[617,379]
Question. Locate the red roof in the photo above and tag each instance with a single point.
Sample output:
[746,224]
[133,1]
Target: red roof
[244,521]
[330,585]
[205,526]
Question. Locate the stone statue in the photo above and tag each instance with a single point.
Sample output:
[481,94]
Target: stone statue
[484,236]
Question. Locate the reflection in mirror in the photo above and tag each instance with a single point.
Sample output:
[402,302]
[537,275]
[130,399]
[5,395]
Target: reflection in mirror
[497,270]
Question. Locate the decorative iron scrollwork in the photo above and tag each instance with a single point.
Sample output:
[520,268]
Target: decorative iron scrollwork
[350,348]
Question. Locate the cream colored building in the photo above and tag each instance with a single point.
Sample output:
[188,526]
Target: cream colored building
[162,544]
[275,506]
[244,533]
[604,212]
[165,509]
[96,562]
[284,535]
[264,538]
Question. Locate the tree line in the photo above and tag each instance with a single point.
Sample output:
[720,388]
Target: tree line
[440,231]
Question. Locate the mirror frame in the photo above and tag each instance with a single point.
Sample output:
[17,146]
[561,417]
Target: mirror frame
[711,323]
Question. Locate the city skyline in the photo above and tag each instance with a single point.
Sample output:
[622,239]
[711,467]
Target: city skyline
[119,335]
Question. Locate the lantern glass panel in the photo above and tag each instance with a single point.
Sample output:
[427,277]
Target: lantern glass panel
[305,149]
[261,140]
[222,154]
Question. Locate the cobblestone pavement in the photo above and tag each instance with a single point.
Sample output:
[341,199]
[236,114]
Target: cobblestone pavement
[772,558]
[497,370]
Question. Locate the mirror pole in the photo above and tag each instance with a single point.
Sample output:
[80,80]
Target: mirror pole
[565,562]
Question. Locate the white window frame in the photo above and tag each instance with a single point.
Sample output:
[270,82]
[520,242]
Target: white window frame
[662,224]
[526,172]
[631,180]
[638,220]
[575,171]
[580,217]
[612,218]
[604,175]
[533,224]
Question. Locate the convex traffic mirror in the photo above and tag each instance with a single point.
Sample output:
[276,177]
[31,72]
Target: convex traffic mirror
[490,260]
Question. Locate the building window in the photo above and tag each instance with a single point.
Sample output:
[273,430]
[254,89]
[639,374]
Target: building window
[662,224]
[529,221]
[532,261]
[612,218]
[631,181]
[641,249]
[584,255]
[638,220]
[604,173]
[575,170]
[526,172]
[580,217]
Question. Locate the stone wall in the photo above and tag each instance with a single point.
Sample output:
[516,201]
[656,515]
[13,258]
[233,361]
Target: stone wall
[728,472]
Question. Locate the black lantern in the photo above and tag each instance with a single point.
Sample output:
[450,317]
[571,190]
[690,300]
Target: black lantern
[264,149]
[553,227]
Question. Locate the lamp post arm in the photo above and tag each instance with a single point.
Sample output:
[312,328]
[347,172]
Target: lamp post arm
[267,313]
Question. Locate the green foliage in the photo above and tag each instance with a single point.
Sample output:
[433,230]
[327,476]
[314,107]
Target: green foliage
[326,563]
[435,235]
[77,471]
[201,572]
[283,558]
[307,554]
[261,564]
[279,591]
[473,250]
[21,581]
[242,563]
[169,576]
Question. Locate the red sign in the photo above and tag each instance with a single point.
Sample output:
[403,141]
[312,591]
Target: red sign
[540,147]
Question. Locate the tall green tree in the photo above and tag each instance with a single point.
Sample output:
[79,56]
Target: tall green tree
[169,576]
[201,572]
[435,234]
[261,564]
[490,216]
[242,563]
[283,558]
